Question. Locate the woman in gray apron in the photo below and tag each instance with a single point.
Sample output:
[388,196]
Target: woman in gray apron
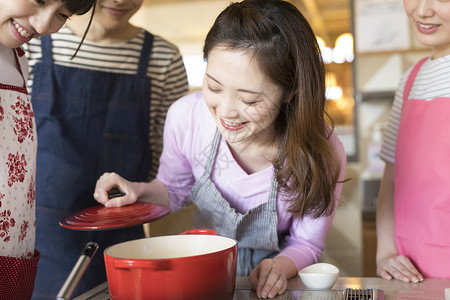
[252,150]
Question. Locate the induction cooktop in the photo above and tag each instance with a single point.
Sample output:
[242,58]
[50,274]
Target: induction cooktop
[101,293]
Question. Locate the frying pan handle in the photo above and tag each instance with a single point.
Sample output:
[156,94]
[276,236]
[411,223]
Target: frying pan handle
[200,231]
[163,265]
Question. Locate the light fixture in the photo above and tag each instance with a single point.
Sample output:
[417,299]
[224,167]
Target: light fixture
[343,48]
[345,41]
[342,51]
[321,42]
[333,91]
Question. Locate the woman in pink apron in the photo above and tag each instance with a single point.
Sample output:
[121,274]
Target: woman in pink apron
[413,238]
[21,20]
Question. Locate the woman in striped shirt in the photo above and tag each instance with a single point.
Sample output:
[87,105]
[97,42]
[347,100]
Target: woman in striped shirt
[414,199]
[103,110]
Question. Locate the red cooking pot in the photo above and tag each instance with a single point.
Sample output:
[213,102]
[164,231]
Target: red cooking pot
[188,266]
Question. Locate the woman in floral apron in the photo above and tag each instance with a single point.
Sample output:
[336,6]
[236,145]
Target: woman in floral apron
[253,150]
[21,20]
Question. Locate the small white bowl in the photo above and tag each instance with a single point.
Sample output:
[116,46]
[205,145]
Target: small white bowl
[319,276]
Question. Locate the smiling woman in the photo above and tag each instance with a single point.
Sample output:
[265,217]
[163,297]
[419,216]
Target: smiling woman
[20,21]
[252,151]
[328,18]
[244,107]
[23,20]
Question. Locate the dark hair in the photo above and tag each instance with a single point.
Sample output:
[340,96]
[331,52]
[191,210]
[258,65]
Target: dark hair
[285,47]
[80,7]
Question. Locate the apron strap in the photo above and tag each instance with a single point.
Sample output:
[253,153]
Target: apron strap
[411,78]
[145,54]
[19,67]
[210,162]
[273,194]
[46,45]
[213,152]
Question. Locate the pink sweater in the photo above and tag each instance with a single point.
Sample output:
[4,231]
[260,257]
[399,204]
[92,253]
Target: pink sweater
[188,136]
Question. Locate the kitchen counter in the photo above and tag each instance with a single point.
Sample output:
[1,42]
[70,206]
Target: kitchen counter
[429,289]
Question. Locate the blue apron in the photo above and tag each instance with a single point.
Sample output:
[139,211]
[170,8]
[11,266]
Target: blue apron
[88,122]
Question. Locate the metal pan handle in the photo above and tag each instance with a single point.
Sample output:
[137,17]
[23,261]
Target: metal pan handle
[77,272]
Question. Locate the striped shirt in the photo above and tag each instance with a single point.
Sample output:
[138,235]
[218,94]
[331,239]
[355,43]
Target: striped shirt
[166,70]
[432,81]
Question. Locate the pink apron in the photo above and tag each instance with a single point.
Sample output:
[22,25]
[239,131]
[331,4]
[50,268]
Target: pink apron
[422,182]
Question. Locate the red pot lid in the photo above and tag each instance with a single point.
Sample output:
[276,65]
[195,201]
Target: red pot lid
[102,218]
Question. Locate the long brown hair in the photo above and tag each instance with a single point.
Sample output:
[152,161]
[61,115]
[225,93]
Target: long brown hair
[285,47]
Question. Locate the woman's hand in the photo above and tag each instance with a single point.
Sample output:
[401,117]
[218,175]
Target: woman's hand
[269,278]
[110,180]
[389,263]
[399,267]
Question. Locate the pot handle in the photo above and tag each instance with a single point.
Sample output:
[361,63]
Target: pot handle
[164,265]
[200,231]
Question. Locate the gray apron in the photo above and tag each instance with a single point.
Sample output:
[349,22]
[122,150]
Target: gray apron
[255,231]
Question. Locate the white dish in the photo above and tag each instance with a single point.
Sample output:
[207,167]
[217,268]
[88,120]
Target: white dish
[319,276]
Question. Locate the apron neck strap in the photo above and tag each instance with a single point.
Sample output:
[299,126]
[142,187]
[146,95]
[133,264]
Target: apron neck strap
[19,67]
[412,77]
[273,193]
[145,54]
[210,162]
[213,152]
[46,45]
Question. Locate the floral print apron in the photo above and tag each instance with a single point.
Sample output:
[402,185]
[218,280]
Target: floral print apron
[18,146]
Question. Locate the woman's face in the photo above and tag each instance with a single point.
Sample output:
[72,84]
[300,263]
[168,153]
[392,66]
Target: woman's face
[430,20]
[115,14]
[242,100]
[22,20]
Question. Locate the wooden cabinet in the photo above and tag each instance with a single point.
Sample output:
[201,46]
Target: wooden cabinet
[369,186]
[369,246]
